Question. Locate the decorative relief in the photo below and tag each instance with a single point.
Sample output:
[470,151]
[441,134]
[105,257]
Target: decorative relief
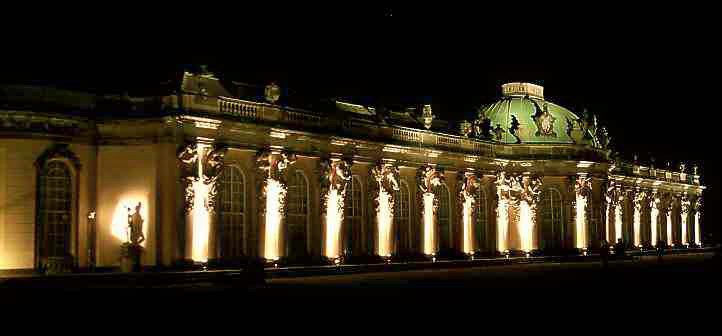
[515,128]
[428,177]
[685,204]
[334,175]
[386,177]
[427,116]
[188,157]
[544,121]
[697,207]
[213,164]
[498,132]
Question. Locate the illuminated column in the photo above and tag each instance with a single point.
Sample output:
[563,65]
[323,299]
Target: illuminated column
[528,213]
[684,209]
[469,183]
[335,175]
[427,177]
[201,165]
[271,167]
[503,191]
[582,189]
[668,209]
[639,200]
[697,211]
[610,207]
[655,206]
[386,177]
[619,215]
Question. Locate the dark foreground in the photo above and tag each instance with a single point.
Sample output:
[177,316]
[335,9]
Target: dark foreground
[628,290]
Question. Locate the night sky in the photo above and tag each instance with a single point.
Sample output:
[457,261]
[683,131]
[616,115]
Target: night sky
[649,74]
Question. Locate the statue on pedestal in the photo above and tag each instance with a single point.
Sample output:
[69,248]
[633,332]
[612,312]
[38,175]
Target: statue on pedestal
[131,250]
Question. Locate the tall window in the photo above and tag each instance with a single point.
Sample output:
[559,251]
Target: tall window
[351,240]
[552,227]
[480,225]
[401,218]
[232,207]
[297,213]
[55,209]
[442,192]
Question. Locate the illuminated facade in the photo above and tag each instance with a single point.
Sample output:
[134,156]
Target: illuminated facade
[224,177]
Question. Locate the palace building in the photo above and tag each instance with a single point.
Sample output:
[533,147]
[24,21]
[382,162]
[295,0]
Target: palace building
[220,173]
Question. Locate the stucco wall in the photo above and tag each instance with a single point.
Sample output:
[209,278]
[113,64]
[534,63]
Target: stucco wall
[18,178]
[126,176]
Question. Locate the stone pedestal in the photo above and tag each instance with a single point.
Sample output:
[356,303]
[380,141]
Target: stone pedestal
[130,257]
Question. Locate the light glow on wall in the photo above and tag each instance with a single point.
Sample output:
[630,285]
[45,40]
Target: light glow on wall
[502,220]
[275,196]
[637,226]
[119,224]
[617,223]
[697,232]
[608,225]
[581,221]
[669,228]
[653,224]
[334,218]
[684,229]
[526,226]
[467,213]
[429,223]
[201,222]
[385,218]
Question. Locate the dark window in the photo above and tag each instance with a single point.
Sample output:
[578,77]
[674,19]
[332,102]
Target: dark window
[442,193]
[297,213]
[54,204]
[351,242]
[231,190]
[550,211]
[401,218]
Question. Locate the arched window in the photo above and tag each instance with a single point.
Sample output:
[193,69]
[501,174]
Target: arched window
[480,225]
[401,218]
[55,195]
[444,217]
[550,214]
[351,241]
[297,214]
[232,201]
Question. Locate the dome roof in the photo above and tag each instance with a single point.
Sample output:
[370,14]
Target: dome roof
[523,116]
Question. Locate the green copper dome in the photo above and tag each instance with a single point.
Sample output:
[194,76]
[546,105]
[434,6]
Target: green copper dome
[523,116]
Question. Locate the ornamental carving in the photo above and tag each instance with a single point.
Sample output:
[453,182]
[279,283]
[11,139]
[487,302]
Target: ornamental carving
[544,121]
[213,164]
[428,116]
[656,201]
[334,175]
[498,132]
[386,175]
[639,199]
[610,194]
[697,207]
[582,186]
[188,157]
[428,177]
[509,188]
[515,128]
[273,165]
[685,204]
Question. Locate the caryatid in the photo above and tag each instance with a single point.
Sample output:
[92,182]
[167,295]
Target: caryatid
[429,177]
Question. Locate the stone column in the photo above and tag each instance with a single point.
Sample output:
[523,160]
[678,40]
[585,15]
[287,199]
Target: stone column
[697,211]
[335,175]
[668,210]
[469,183]
[610,208]
[684,209]
[639,199]
[427,177]
[582,191]
[655,206]
[271,165]
[528,219]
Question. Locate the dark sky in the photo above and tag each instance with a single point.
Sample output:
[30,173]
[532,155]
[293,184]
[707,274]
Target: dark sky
[649,73]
